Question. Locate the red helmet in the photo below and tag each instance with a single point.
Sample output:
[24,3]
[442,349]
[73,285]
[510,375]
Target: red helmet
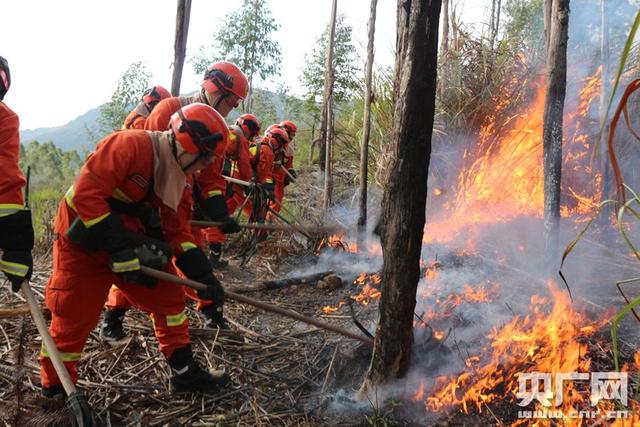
[290,127]
[5,77]
[226,77]
[250,125]
[155,94]
[278,136]
[199,129]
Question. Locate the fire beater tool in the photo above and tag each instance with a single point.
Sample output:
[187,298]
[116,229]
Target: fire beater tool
[81,413]
[256,303]
[271,227]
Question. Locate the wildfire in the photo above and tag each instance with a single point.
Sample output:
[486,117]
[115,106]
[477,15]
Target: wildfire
[503,178]
[540,342]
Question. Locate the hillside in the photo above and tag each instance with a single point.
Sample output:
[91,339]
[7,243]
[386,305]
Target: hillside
[73,135]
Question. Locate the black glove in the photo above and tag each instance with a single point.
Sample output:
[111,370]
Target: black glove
[107,235]
[269,189]
[126,264]
[293,173]
[16,231]
[195,265]
[229,226]
[215,208]
[18,266]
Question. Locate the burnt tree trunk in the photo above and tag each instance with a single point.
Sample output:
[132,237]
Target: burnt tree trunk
[327,142]
[405,195]
[366,122]
[180,44]
[557,27]
[327,105]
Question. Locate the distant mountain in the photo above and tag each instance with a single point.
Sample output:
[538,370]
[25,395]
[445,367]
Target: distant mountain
[71,136]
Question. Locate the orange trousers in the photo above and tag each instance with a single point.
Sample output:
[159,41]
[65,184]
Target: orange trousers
[76,293]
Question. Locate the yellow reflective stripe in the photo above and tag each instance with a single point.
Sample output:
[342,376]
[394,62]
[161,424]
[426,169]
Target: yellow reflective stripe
[95,220]
[121,267]
[14,268]
[232,136]
[66,357]
[187,245]
[268,181]
[234,167]
[69,198]
[118,194]
[252,150]
[10,208]
[214,193]
[176,319]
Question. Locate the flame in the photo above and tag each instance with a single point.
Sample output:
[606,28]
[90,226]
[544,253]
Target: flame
[503,178]
[540,342]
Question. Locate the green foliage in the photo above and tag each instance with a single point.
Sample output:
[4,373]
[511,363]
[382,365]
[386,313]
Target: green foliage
[525,28]
[245,40]
[346,73]
[264,108]
[52,172]
[128,93]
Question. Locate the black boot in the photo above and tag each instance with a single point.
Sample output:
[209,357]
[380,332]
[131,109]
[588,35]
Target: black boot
[54,392]
[189,376]
[215,256]
[112,331]
[213,317]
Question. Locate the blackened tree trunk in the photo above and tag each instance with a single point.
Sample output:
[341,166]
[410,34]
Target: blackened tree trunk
[557,13]
[180,44]
[405,195]
[327,103]
[366,122]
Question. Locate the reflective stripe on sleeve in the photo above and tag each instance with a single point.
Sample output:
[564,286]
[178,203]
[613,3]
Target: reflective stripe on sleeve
[187,245]
[176,319]
[14,268]
[124,266]
[66,357]
[9,208]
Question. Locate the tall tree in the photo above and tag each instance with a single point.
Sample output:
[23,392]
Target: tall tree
[247,40]
[345,72]
[128,93]
[180,45]
[557,32]
[405,194]
[326,146]
[366,125]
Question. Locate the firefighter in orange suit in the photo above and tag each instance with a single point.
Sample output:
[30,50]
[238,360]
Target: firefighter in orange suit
[138,116]
[16,230]
[223,87]
[237,165]
[280,143]
[95,246]
[291,129]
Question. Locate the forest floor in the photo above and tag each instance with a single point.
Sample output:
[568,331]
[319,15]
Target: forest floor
[284,372]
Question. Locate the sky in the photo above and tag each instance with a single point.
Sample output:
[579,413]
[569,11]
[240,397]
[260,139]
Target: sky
[66,56]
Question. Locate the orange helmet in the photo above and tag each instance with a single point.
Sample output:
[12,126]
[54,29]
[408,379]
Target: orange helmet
[5,77]
[226,77]
[155,94]
[199,129]
[250,125]
[278,136]
[290,127]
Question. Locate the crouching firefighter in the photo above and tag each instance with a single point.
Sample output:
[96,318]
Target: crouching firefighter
[97,246]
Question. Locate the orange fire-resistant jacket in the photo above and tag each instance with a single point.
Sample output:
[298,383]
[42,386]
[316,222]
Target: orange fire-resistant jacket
[11,178]
[137,117]
[122,168]
[238,153]
[262,161]
[210,180]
